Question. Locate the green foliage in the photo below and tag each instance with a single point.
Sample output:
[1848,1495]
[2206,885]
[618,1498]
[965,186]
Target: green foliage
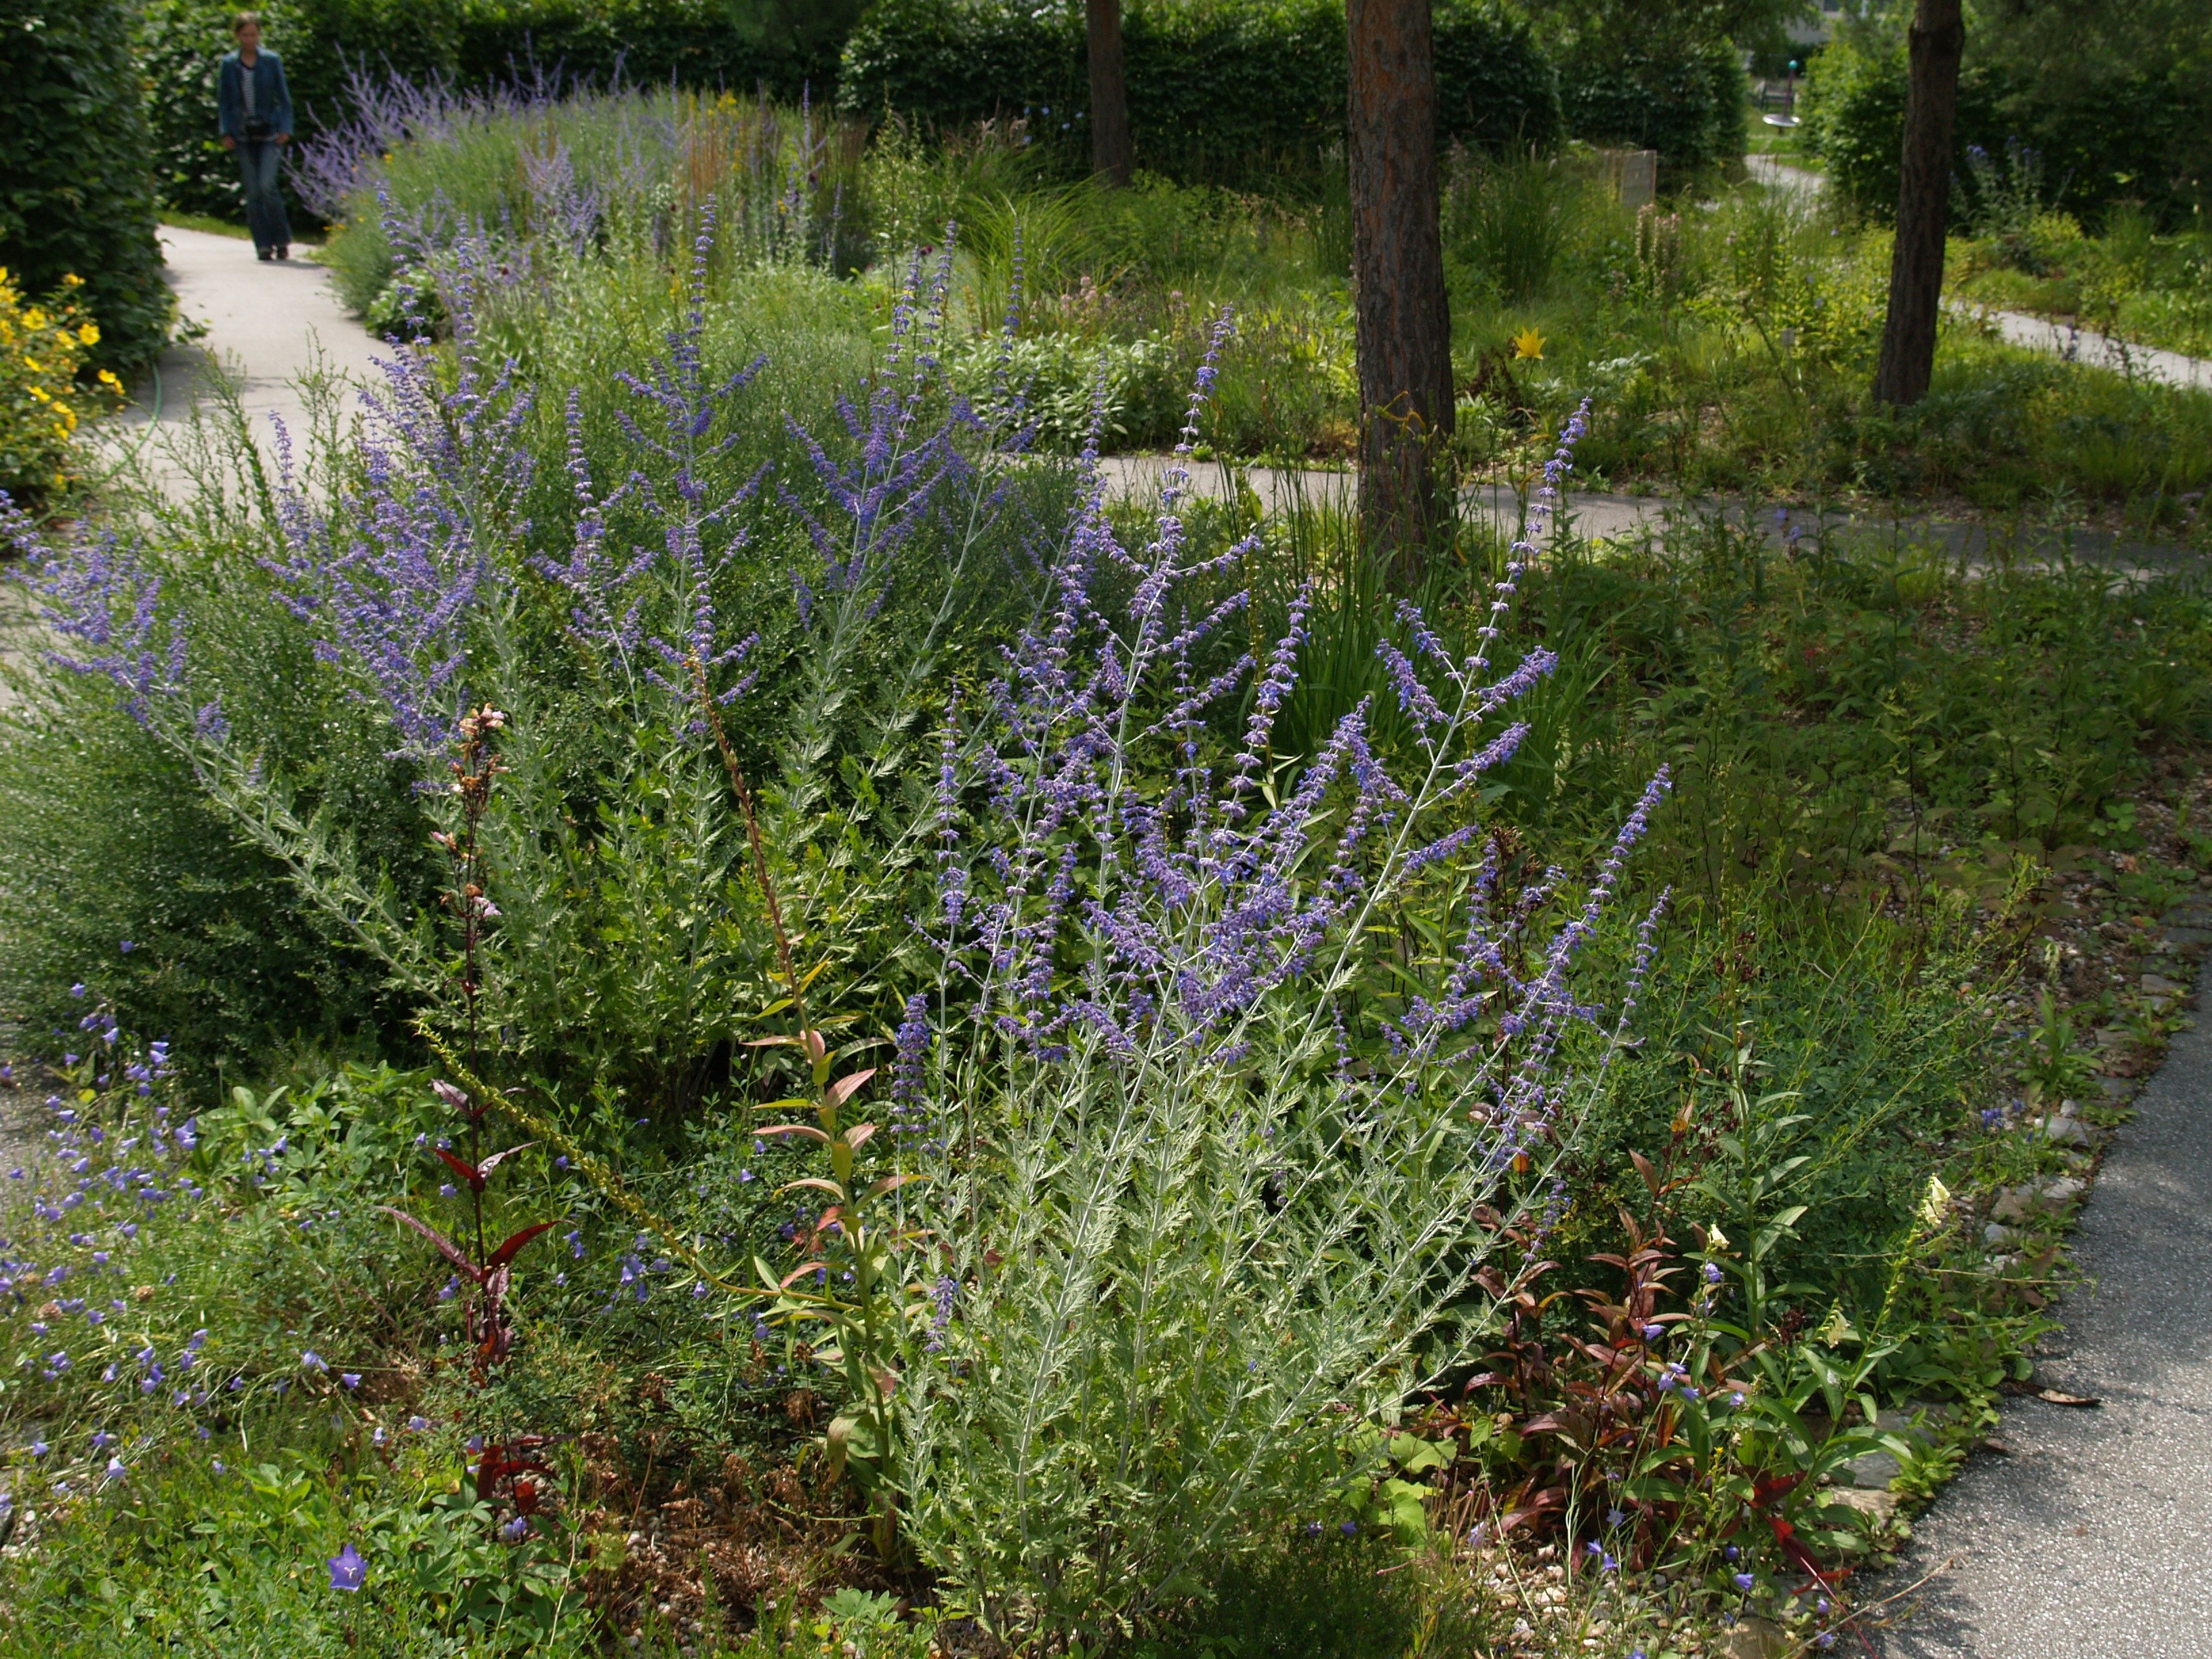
[1219,91]
[223,957]
[1728,350]
[642,158]
[1684,97]
[1322,1597]
[2112,100]
[75,197]
[1853,102]
[180,42]
[779,48]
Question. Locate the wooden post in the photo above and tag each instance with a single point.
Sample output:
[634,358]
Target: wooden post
[1937,41]
[1401,316]
[1112,151]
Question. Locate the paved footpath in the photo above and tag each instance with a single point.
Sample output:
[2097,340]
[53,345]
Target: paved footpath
[267,325]
[2089,1541]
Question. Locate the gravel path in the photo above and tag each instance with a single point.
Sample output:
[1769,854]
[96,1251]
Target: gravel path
[2087,1541]
[2020,328]
[1599,513]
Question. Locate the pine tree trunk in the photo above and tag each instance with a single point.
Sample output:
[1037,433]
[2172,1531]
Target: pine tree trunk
[1112,152]
[1938,39]
[1402,319]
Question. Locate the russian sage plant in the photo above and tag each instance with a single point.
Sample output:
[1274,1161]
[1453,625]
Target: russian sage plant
[623,948]
[1207,1205]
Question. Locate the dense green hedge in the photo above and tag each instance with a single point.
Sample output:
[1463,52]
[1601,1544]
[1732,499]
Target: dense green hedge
[1222,89]
[1687,100]
[75,196]
[789,47]
[2145,137]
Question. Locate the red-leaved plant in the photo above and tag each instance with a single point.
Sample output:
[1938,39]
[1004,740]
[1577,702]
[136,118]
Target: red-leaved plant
[487,1269]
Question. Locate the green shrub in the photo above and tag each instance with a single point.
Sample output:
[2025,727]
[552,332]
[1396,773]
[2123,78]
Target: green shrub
[76,198]
[778,48]
[2133,133]
[1219,89]
[179,44]
[190,933]
[1687,100]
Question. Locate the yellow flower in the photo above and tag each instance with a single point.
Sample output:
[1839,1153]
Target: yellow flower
[108,378]
[40,392]
[34,317]
[88,334]
[1529,344]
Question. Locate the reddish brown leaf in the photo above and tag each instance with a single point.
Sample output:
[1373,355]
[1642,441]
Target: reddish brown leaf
[463,1168]
[446,1248]
[842,1089]
[506,1252]
[1651,1175]
[496,1158]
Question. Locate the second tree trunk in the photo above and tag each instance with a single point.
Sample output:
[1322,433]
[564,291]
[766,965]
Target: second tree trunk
[1937,41]
[1112,154]
[1403,320]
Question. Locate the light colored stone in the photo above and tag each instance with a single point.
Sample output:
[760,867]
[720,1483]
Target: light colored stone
[1874,1470]
[2157,985]
[1754,1638]
[1996,1236]
[2063,1191]
[2013,1205]
[1881,1506]
[2068,1132]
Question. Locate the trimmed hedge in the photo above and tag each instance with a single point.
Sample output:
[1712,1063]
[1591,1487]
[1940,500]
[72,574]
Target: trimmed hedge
[1687,100]
[1225,90]
[2146,137]
[788,47]
[76,197]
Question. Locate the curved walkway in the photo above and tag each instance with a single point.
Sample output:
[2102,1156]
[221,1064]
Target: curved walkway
[2087,1540]
[265,326]
[2022,328]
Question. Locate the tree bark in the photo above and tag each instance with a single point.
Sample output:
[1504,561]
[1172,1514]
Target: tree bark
[1937,41]
[1112,151]
[1401,316]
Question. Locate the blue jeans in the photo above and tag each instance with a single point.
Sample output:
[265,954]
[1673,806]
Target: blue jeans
[265,202]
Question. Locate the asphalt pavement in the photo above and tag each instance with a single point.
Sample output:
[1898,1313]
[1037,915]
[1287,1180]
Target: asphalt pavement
[2088,1540]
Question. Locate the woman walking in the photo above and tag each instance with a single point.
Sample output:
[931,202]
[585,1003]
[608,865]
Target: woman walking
[253,109]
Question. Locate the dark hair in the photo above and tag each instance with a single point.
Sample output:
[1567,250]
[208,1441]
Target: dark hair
[243,19]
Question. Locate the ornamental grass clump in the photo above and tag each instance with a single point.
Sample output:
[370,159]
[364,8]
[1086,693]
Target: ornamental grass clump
[1210,1159]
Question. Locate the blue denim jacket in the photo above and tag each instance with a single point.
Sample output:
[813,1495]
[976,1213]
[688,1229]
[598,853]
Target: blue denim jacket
[272,99]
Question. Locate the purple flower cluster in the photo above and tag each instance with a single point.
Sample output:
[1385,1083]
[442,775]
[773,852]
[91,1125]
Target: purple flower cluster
[391,572]
[97,594]
[610,593]
[1122,889]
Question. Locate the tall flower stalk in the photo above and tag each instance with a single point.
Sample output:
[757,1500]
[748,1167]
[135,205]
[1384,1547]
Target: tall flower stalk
[1211,1171]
